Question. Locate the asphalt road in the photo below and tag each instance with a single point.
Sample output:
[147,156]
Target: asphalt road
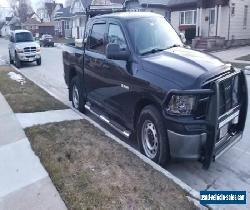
[230,172]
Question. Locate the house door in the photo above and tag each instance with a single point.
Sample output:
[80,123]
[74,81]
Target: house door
[212,24]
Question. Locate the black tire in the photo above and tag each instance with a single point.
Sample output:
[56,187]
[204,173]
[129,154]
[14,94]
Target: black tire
[39,62]
[18,63]
[76,87]
[11,60]
[151,126]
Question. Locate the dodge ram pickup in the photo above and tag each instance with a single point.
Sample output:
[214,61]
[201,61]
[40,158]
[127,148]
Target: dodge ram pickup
[23,48]
[136,75]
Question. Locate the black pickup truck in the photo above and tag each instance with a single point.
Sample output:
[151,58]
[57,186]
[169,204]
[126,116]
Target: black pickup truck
[135,74]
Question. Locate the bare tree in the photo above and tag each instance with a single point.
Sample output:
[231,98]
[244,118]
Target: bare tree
[21,8]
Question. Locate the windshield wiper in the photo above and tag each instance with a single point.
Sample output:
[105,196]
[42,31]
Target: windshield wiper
[155,50]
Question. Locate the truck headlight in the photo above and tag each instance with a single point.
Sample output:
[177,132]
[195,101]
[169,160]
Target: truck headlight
[181,105]
[38,49]
[19,50]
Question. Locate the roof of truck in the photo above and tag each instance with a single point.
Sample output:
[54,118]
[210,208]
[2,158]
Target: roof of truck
[128,15]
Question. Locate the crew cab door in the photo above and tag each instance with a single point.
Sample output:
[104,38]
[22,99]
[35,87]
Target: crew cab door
[118,79]
[93,62]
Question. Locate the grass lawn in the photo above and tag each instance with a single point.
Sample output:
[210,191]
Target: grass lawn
[91,171]
[27,97]
[244,58]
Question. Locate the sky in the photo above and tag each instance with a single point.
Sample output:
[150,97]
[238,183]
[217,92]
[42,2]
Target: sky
[35,3]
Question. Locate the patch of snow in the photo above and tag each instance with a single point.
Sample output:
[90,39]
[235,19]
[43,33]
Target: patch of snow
[17,77]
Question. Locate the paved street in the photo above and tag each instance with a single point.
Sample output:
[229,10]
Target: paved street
[232,54]
[230,172]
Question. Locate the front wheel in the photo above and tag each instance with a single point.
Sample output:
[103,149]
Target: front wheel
[11,61]
[77,94]
[152,136]
[17,62]
[39,61]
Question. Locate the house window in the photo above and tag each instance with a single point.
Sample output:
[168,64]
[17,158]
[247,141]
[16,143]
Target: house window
[66,24]
[188,17]
[233,9]
[212,16]
[245,16]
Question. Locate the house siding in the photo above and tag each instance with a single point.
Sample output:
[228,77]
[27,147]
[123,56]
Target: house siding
[175,20]
[237,30]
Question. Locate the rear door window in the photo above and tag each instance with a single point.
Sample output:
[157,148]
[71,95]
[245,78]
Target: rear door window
[96,38]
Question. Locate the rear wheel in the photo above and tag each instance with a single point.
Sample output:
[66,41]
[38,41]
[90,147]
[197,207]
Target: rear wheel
[152,136]
[77,94]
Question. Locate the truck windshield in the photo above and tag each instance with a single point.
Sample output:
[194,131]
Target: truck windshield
[24,37]
[153,34]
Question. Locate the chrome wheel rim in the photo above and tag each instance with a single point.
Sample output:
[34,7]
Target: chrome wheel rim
[149,139]
[75,97]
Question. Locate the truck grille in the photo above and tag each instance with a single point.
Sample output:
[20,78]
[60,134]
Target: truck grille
[30,49]
[228,94]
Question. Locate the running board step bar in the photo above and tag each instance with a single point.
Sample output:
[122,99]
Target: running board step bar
[123,132]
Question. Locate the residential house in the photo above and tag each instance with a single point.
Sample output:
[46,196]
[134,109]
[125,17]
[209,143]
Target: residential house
[38,28]
[212,24]
[156,6]
[63,23]
[78,17]
[11,23]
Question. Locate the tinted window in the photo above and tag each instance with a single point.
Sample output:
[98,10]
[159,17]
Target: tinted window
[115,36]
[24,37]
[96,39]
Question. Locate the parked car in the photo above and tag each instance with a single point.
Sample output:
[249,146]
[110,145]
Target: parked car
[46,41]
[23,48]
[134,73]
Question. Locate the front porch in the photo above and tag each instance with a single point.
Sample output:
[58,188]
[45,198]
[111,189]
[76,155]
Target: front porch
[211,25]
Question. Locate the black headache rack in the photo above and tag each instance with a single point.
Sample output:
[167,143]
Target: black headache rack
[94,10]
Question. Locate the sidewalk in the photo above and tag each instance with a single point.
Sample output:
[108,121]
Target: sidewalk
[24,183]
[231,55]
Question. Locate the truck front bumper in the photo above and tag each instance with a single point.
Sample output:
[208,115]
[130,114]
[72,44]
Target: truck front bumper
[29,57]
[186,146]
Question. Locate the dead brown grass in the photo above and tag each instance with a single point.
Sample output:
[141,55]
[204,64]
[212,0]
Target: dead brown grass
[91,171]
[28,97]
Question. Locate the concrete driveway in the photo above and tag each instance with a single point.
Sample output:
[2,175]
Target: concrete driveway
[230,172]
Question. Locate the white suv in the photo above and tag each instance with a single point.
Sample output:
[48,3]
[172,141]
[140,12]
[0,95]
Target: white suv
[23,48]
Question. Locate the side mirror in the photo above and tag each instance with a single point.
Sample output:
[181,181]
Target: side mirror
[183,38]
[113,51]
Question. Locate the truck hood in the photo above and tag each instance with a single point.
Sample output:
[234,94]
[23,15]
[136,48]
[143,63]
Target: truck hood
[22,45]
[186,68]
